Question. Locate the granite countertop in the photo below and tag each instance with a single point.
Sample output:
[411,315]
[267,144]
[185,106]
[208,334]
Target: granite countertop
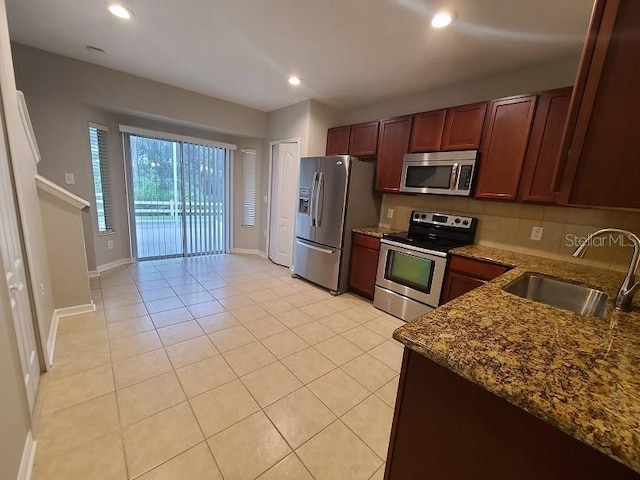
[580,374]
[374,231]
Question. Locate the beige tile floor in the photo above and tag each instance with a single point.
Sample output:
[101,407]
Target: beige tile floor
[219,367]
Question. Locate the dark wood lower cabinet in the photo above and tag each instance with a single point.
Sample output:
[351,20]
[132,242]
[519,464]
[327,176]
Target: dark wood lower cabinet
[465,274]
[446,427]
[456,284]
[364,264]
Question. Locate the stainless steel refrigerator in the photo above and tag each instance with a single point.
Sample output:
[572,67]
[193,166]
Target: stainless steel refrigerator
[336,195]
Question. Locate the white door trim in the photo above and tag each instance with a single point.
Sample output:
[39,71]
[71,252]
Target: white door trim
[272,144]
[28,458]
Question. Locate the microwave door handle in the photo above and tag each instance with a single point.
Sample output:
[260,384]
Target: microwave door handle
[319,205]
[454,176]
[311,199]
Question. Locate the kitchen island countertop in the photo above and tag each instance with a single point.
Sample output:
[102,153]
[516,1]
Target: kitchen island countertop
[580,374]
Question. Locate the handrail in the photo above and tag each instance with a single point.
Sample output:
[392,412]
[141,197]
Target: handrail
[63,194]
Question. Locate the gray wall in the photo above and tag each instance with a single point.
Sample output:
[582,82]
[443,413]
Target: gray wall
[64,95]
[64,235]
[546,76]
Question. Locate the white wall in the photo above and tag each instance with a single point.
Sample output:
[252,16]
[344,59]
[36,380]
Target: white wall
[62,100]
[546,76]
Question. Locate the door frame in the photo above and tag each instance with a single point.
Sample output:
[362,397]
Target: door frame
[128,174]
[272,145]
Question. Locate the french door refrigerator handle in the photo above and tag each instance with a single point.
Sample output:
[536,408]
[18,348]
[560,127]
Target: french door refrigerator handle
[311,199]
[319,204]
[317,249]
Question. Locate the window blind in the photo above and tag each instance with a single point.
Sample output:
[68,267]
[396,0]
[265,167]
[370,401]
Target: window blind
[98,136]
[248,188]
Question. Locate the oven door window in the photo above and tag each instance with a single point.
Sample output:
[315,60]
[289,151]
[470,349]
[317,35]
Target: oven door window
[428,176]
[410,270]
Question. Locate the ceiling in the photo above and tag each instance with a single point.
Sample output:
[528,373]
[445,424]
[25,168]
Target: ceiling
[348,52]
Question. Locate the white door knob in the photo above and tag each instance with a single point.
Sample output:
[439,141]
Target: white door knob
[16,287]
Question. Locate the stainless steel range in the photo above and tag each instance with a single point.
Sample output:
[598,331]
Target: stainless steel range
[411,264]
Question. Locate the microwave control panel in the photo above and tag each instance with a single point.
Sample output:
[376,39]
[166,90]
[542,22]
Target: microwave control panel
[464,179]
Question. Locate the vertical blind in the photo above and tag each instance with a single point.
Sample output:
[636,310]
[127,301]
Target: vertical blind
[98,136]
[248,188]
[179,191]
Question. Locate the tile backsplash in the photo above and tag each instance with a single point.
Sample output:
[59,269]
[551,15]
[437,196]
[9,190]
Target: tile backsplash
[508,225]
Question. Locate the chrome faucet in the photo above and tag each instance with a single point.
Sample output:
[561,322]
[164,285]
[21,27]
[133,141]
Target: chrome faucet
[629,286]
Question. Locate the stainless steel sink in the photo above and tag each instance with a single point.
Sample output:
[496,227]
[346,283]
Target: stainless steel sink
[576,298]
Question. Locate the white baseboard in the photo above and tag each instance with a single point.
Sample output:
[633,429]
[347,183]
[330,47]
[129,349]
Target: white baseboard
[53,330]
[109,266]
[249,252]
[28,456]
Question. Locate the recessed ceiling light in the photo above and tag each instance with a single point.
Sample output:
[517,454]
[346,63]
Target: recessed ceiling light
[294,80]
[120,11]
[441,19]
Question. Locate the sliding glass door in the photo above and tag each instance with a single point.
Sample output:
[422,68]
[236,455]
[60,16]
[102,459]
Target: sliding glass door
[178,197]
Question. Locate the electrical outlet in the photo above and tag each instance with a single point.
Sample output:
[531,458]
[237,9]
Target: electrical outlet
[265,199]
[42,288]
[390,213]
[110,244]
[536,233]
[69,179]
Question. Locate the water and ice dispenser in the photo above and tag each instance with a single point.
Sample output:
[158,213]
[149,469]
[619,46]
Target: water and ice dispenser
[303,201]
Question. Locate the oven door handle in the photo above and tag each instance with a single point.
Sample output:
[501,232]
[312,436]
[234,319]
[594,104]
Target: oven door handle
[422,251]
[453,182]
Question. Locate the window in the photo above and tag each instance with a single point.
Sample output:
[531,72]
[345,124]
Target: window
[249,188]
[101,179]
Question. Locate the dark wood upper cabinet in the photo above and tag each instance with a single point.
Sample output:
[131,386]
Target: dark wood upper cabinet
[601,146]
[426,132]
[364,139]
[338,140]
[392,146]
[504,146]
[463,127]
[543,153]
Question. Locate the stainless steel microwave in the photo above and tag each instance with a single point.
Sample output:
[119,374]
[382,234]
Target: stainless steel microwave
[442,173]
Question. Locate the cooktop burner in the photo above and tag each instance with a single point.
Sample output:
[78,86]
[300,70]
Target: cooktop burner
[437,231]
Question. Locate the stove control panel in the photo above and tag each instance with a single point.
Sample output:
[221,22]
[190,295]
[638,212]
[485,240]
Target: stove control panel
[434,218]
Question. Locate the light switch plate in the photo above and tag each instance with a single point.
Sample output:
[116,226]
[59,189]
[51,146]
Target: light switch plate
[536,233]
[69,179]
[265,199]
[390,213]
[110,244]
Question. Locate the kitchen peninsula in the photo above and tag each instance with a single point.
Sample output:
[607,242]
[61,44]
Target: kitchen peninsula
[497,386]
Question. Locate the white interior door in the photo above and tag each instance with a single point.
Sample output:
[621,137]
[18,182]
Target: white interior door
[284,192]
[12,260]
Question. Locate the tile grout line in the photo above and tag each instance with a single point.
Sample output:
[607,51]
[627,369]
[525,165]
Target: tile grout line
[261,342]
